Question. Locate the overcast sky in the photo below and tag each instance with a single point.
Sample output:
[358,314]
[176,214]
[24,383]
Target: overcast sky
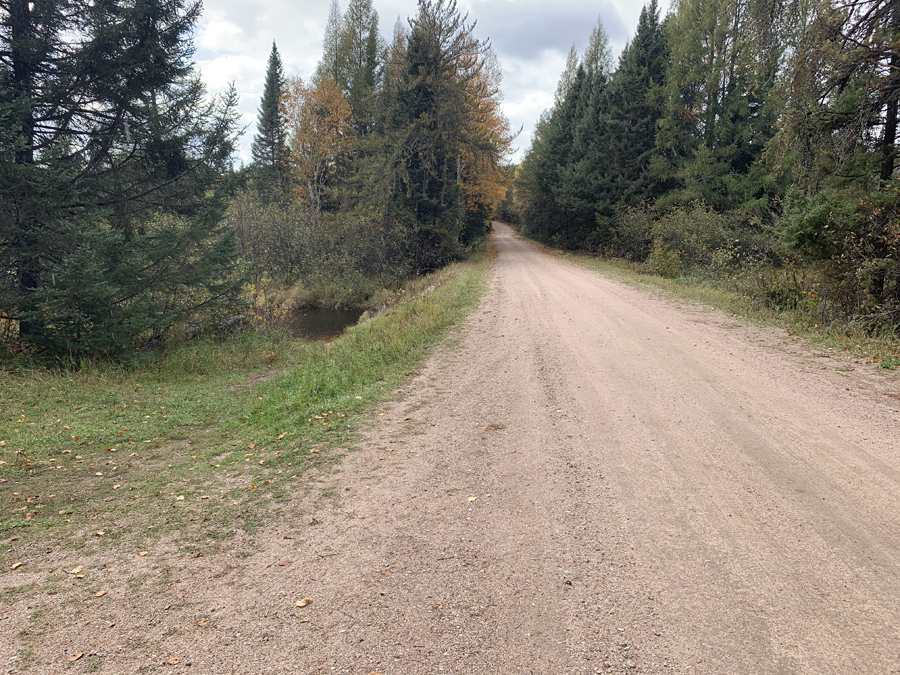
[531,38]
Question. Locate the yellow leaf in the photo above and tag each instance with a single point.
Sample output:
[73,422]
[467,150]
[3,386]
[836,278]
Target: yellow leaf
[303,620]
[280,436]
[179,498]
[472,499]
[142,553]
[75,657]
[99,594]
[76,570]
[15,566]
[116,487]
[304,602]
[203,622]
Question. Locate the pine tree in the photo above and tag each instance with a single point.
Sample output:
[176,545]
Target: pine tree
[270,143]
[109,167]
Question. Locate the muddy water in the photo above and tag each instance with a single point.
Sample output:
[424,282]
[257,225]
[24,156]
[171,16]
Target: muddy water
[315,323]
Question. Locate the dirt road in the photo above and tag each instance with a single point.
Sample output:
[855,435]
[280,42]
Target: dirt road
[592,480]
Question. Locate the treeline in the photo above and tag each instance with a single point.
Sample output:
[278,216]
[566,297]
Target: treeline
[386,164]
[123,220]
[751,141]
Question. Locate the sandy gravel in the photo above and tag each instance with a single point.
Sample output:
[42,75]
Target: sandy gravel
[591,479]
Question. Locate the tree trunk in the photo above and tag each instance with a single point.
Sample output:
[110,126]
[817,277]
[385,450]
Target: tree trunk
[22,55]
[888,147]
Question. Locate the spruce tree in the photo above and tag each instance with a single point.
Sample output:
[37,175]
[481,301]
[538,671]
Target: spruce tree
[270,143]
[109,172]
[434,117]
[634,104]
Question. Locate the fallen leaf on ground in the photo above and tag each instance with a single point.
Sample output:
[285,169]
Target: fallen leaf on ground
[142,553]
[116,487]
[314,450]
[285,563]
[75,657]
[174,661]
[15,566]
[99,533]
[99,473]
[203,622]
[304,602]
[76,570]
[179,498]
[205,497]
[472,499]
[251,445]
[99,594]
[280,436]
[303,620]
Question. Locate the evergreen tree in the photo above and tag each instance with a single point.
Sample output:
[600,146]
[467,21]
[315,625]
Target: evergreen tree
[444,104]
[538,178]
[724,59]
[329,65]
[270,143]
[578,193]
[634,100]
[360,61]
[109,167]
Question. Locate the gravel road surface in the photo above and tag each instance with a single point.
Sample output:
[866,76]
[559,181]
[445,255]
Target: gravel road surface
[590,479]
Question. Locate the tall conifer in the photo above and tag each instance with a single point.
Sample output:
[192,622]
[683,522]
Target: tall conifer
[110,163]
[270,143]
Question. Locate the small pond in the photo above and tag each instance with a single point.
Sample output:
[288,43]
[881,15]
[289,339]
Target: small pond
[317,323]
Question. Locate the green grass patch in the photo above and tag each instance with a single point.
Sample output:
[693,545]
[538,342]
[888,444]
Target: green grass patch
[210,438]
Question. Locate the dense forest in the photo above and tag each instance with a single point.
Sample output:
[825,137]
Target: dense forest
[123,220]
[744,142]
[750,142]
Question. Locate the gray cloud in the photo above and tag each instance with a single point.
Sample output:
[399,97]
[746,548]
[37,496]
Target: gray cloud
[527,28]
[531,38]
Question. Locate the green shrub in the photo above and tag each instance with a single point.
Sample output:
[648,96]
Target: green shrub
[694,233]
[633,236]
[664,261]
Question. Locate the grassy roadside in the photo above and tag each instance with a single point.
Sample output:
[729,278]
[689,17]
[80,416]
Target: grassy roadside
[208,440]
[840,336]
